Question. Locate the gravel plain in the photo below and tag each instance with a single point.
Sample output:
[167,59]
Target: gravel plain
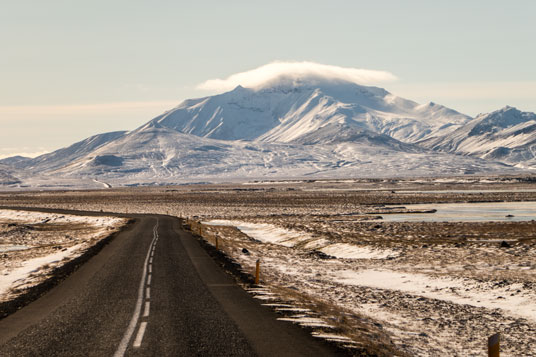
[415,288]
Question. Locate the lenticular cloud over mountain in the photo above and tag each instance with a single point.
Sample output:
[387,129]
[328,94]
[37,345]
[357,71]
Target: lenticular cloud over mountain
[295,72]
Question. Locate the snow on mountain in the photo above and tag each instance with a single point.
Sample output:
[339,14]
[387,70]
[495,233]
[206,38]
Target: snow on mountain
[157,155]
[507,135]
[64,156]
[337,133]
[289,129]
[285,111]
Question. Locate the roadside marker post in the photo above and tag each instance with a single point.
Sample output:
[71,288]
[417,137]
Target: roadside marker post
[494,345]
[258,272]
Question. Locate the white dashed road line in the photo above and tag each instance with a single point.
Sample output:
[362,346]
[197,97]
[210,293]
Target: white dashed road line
[145,280]
[146,310]
[139,336]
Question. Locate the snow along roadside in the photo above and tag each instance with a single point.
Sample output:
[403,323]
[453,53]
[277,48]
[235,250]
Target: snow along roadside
[268,233]
[455,290]
[352,269]
[22,275]
[29,264]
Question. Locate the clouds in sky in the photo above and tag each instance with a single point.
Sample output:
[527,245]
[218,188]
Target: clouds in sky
[293,71]
[27,152]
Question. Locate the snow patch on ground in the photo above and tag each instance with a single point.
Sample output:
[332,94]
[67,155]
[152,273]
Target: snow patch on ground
[18,276]
[350,251]
[42,217]
[458,291]
[266,233]
[11,247]
[331,337]
[33,244]
[306,321]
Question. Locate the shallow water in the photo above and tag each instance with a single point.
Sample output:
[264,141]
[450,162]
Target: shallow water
[467,212]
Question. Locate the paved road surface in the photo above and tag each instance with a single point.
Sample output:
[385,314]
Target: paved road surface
[153,291]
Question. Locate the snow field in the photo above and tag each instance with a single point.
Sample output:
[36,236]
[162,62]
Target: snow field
[19,277]
[40,217]
[458,291]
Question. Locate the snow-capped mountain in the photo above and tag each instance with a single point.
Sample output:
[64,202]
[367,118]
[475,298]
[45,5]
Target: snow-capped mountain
[285,130]
[507,135]
[286,112]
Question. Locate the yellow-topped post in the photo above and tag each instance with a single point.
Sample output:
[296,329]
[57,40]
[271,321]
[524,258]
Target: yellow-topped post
[494,345]
[258,272]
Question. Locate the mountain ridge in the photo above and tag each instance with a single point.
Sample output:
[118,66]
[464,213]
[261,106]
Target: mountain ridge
[507,134]
[284,113]
[332,129]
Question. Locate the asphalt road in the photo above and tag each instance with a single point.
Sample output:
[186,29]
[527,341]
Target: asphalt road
[153,291]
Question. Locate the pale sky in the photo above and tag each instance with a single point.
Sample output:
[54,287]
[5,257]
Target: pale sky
[70,69]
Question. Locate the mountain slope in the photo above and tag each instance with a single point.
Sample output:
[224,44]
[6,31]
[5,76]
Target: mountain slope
[156,155]
[507,135]
[285,112]
[6,176]
[336,133]
[64,156]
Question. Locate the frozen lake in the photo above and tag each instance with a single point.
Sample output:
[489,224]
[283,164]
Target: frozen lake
[467,212]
